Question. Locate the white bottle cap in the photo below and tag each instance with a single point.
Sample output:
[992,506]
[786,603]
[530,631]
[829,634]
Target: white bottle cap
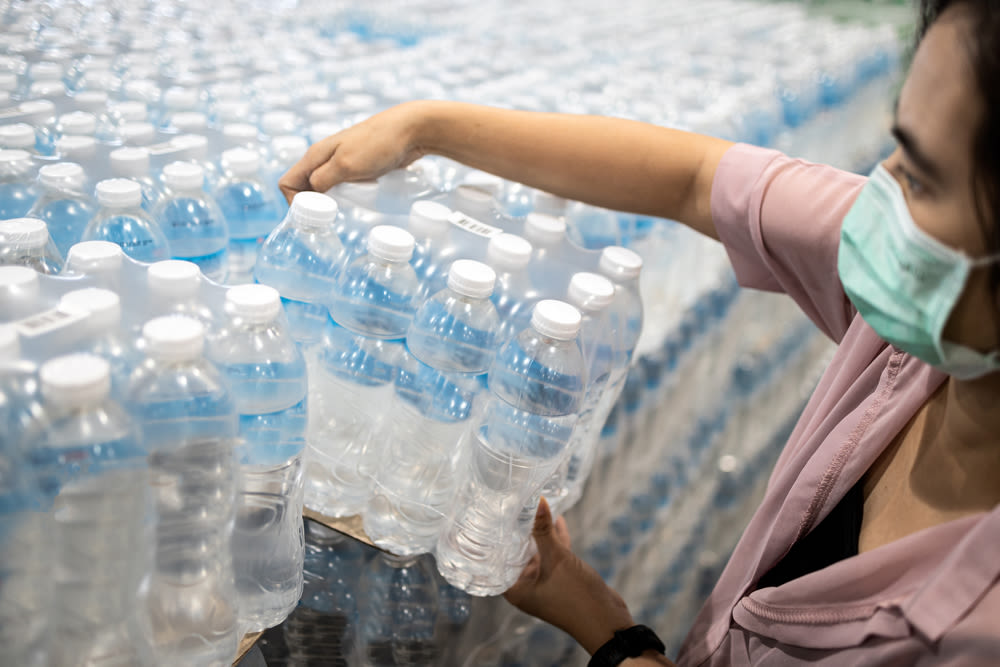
[620,263]
[10,344]
[61,174]
[76,380]
[174,338]
[321,111]
[508,252]
[19,282]
[119,193]
[473,196]
[94,257]
[37,110]
[47,89]
[137,132]
[190,146]
[78,122]
[46,71]
[241,161]
[131,111]
[174,278]
[94,101]
[485,181]
[289,149]
[390,243]
[76,147]
[231,110]
[361,192]
[590,292]
[313,209]
[238,134]
[275,123]
[544,229]
[180,98]
[257,304]
[189,121]
[14,156]
[556,319]
[429,218]
[104,307]
[322,130]
[17,135]
[182,175]
[142,90]
[129,162]
[27,233]
[8,81]
[470,278]
[547,201]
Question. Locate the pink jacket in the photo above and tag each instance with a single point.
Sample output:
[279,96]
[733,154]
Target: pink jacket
[932,598]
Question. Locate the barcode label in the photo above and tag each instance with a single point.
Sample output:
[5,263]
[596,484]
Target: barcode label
[161,148]
[49,321]
[460,219]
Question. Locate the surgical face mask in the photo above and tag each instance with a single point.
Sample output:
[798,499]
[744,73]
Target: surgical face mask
[904,282]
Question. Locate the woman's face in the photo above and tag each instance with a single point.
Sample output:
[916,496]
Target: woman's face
[938,114]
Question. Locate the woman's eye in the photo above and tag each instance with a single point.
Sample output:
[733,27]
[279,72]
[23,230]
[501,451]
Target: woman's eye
[912,183]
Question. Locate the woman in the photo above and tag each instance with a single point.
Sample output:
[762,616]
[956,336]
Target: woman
[878,541]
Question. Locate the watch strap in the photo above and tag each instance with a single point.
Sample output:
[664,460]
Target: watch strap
[628,643]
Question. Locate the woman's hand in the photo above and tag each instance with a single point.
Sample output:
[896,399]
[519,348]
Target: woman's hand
[384,142]
[559,588]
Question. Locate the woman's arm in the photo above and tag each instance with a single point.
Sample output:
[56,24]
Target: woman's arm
[608,162]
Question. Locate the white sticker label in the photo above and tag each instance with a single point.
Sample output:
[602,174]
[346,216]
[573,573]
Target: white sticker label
[49,321]
[460,219]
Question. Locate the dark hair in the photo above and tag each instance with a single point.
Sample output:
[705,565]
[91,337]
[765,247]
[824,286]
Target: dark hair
[983,24]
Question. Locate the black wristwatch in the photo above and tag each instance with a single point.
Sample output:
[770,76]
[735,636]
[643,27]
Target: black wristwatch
[629,643]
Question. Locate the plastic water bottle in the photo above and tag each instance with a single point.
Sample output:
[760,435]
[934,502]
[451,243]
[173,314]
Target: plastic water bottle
[26,242]
[192,222]
[358,200]
[189,423]
[268,378]
[514,295]
[63,203]
[428,222]
[121,220]
[549,204]
[537,384]
[174,288]
[133,163]
[83,151]
[79,123]
[137,133]
[19,136]
[99,260]
[250,207]
[100,332]
[547,236]
[90,459]
[20,293]
[301,259]
[17,189]
[375,295]
[285,152]
[397,613]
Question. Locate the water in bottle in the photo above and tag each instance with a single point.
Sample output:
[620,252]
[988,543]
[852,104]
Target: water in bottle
[133,162]
[189,423]
[301,259]
[99,260]
[174,288]
[192,221]
[17,188]
[121,220]
[63,203]
[267,374]
[432,252]
[26,242]
[358,200]
[250,207]
[91,461]
[514,296]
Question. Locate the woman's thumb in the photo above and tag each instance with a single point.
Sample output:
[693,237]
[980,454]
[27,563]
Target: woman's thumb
[544,530]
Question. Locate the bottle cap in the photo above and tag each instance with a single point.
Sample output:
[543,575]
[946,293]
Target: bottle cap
[76,147]
[313,209]
[590,292]
[289,149]
[103,307]
[174,278]
[189,121]
[94,257]
[546,201]
[473,196]
[391,243]
[17,135]
[46,71]
[48,88]
[119,193]
[620,263]
[180,98]
[19,282]
[182,175]
[241,161]
[230,110]
[360,192]
[257,304]
[15,156]
[93,101]
[508,252]
[76,380]
[28,233]
[142,90]
[485,181]
[130,111]
[37,110]
[10,344]
[238,134]
[137,132]
[8,81]
[470,278]
[321,111]
[174,338]
[274,123]
[429,218]
[78,122]
[190,146]
[544,229]
[61,174]
[129,162]
[556,319]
